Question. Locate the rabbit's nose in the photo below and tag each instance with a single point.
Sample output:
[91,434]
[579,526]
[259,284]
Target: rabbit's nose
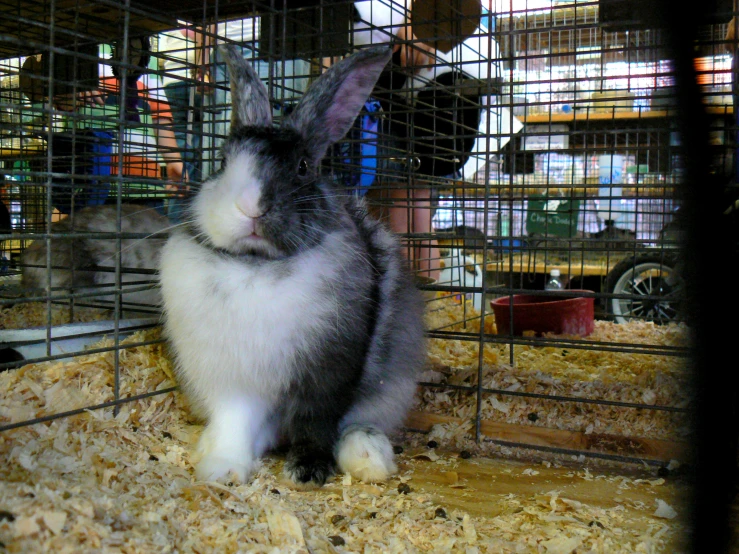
[249,208]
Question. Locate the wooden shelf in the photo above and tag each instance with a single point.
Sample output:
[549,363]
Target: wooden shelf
[577,191]
[576,267]
[527,262]
[14,148]
[590,115]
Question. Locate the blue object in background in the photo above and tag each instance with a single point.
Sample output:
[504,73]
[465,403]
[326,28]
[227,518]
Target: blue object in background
[92,154]
[102,160]
[487,20]
[358,151]
[507,245]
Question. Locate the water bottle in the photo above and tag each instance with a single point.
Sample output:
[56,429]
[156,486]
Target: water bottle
[554,282]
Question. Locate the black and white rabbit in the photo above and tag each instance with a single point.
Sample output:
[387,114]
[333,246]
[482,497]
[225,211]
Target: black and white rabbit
[292,315]
[83,264]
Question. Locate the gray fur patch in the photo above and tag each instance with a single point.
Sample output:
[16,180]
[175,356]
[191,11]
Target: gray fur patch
[331,104]
[249,96]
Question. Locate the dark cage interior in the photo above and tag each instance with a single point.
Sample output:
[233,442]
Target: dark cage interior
[561,178]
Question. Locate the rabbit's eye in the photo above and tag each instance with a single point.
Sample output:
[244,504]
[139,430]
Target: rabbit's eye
[303,167]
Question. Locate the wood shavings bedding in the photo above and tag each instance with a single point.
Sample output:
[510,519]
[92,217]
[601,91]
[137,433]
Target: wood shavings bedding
[154,506]
[35,314]
[573,363]
[646,379]
[37,390]
[557,414]
[620,377]
[100,482]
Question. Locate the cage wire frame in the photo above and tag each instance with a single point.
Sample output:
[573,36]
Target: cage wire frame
[562,93]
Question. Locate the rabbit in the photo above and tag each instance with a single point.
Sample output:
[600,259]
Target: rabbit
[461,270]
[77,262]
[292,314]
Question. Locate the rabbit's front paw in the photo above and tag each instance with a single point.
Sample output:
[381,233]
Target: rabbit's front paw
[216,468]
[366,453]
[307,466]
[222,460]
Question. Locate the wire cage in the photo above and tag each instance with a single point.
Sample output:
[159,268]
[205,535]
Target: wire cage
[505,143]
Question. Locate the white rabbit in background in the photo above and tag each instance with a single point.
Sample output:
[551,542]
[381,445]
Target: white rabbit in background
[459,270]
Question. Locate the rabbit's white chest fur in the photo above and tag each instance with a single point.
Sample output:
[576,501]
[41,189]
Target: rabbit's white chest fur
[236,327]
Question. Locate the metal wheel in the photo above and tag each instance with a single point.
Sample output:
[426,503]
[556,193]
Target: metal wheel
[653,287]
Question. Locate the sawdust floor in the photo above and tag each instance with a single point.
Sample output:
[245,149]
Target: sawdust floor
[509,495]
[97,482]
[484,484]
[438,502]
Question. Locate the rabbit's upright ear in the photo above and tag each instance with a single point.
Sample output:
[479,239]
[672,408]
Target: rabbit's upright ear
[249,97]
[332,103]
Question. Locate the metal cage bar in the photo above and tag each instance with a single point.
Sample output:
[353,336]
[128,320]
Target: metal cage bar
[540,140]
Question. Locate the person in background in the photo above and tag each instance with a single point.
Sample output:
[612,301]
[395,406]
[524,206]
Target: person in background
[181,64]
[437,144]
[286,81]
[147,144]
[410,209]
[92,143]
[403,202]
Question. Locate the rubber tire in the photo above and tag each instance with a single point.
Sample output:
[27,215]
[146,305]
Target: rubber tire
[617,281]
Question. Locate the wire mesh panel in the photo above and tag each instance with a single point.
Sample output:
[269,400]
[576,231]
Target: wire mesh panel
[499,146]
[505,144]
[588,188]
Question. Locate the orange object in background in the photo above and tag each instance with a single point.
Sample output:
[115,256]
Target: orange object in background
[705,70]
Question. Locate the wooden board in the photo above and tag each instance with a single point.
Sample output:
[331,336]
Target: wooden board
[559,438]
[484,483]
[29,24]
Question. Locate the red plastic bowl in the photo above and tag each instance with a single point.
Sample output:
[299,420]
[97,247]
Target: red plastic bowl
[545,314]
